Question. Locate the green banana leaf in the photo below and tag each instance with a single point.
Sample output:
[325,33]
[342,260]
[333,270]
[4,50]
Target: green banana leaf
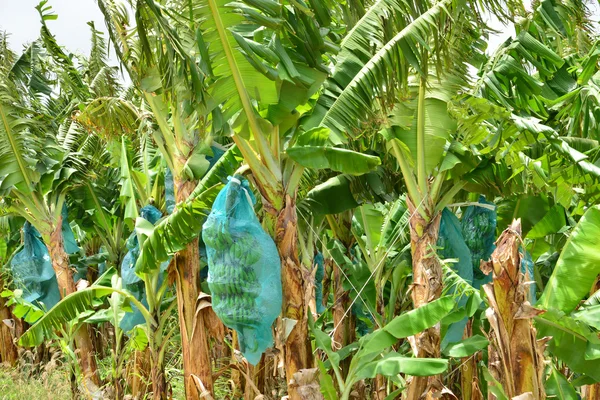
[577,267]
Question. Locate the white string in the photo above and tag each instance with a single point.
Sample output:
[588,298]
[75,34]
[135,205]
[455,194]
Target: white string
[239,183]
[358,292]
[340,268]
[378,265]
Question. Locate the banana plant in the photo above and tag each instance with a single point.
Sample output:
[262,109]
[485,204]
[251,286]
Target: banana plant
[37,190]
[378,354]
[256,84]
[86,307]
[156,54]
[406,81]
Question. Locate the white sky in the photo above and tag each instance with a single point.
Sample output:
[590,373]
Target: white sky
[21,20]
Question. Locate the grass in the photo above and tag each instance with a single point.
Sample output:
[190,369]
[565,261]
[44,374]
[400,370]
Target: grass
[53,384]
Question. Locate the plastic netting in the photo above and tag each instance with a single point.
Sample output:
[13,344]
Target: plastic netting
[361,318]
[451,245]
[131,281]
[169,191]
[479,230]
[527,270]
[244,270]
[319,275]
[32,267]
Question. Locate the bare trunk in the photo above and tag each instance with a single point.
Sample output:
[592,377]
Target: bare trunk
[298,353]
[8,349]
[380,381]
[159,384]
[515,356]
[66,285]
[469,380]
[194,341]
[344,323]
[138,374]
[427,286]
[591,392]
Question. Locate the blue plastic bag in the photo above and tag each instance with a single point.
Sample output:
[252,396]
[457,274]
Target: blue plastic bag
[32,267]
[319,275]
[527,270]
[132,282]
[244,269]
[479,230]
[451,244]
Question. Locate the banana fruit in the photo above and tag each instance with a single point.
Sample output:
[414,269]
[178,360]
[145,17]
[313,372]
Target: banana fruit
[232,278]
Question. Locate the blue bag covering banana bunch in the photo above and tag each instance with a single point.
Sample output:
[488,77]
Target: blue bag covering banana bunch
[244,269]
[452,245]
[131,281]
[479,230]
[319,275]
[32,267]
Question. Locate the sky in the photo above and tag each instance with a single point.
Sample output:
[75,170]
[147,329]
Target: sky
[21,20]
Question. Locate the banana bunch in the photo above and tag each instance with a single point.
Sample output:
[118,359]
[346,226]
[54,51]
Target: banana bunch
[232,279]
[219,238]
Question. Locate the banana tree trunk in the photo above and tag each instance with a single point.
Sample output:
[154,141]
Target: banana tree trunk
[157,371]
[298,352]
[380,382]
[66,285]
[194,341]
[515,356]
[469,380]
[8,350]
[343,322]
[427,286]
[138,373]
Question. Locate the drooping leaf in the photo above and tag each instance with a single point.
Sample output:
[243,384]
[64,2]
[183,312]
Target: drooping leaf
[466,347]
[68,309]
[552,222]
[558,387]
[393,364]
[426,316]
[577,267]
[569,343]
[334,158]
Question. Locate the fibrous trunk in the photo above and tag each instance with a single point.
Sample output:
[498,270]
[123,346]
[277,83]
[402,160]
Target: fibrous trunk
[515,356]
[159,384]
[427,286]
[66,285]
[8,349]
[138,373]
[469,380]
[194,341]
[298,353]
[343,319]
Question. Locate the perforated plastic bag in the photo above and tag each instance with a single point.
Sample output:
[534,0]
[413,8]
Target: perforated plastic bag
[132,282]
[319,275]
[32,267]
[527,270]
[451,244]
[479,230]
[244,269]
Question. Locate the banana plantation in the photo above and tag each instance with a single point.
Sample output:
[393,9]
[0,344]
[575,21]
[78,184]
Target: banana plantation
[303,199]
